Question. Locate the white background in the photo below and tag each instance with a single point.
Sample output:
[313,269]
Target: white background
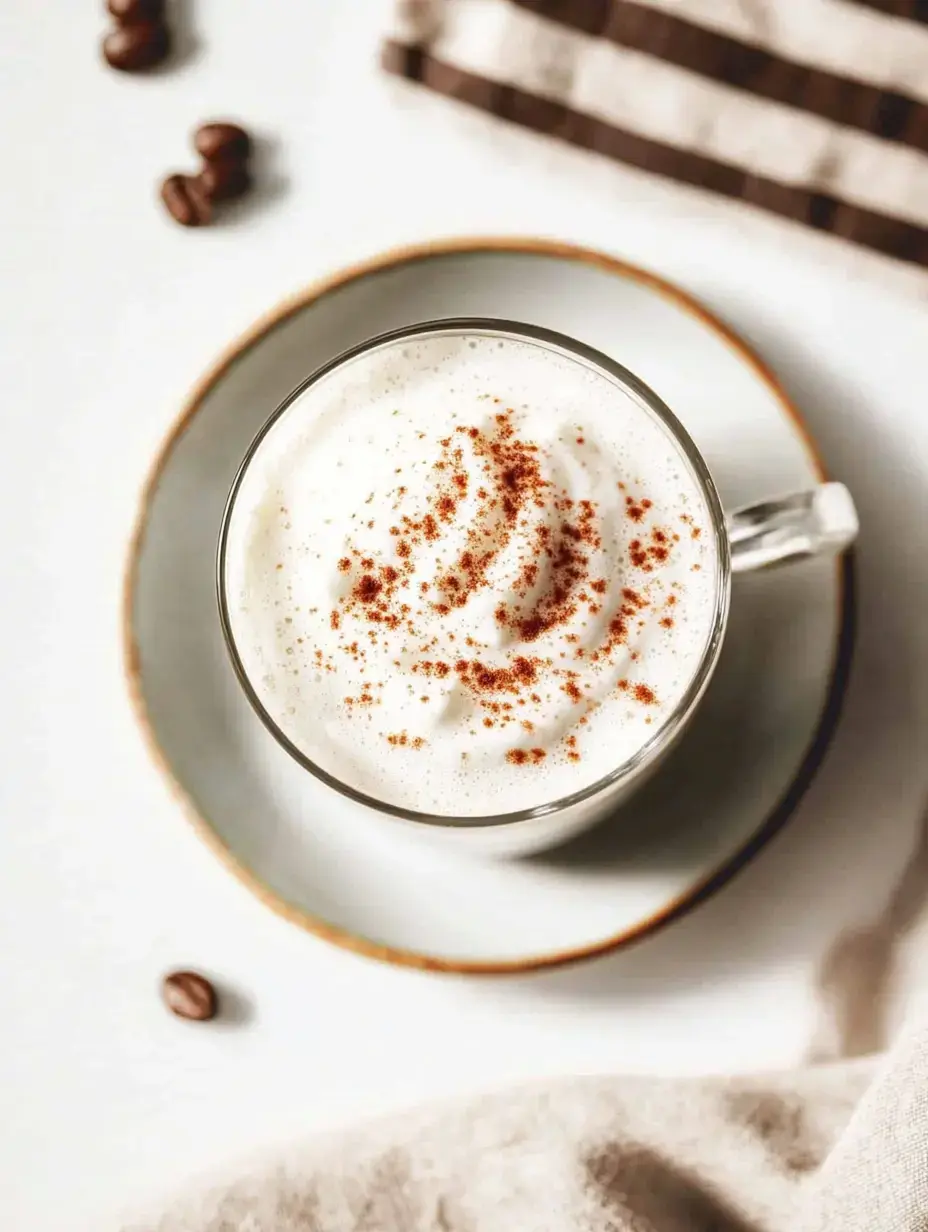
[108,313]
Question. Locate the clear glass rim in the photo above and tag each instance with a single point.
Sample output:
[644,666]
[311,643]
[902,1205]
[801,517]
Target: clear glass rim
[552,340]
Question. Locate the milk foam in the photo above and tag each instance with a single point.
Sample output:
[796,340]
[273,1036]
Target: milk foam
[468,575]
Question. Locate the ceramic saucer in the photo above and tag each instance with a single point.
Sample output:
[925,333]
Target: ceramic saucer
[313,856]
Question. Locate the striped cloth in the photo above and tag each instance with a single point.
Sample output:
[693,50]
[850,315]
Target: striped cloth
[816,110]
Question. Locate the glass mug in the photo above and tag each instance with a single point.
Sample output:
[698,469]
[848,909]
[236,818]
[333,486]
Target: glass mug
[821,520]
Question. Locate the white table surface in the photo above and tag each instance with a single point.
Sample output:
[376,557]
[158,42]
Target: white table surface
[109,313]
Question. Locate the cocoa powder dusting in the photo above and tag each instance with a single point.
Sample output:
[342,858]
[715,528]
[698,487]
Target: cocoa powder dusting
[487,484]
[402,740]
[644,694]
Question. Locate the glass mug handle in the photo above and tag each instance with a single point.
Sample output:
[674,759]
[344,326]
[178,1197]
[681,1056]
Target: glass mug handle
[822,520]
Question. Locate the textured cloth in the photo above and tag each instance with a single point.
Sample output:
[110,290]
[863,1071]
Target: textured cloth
[815,110]
[838,1148]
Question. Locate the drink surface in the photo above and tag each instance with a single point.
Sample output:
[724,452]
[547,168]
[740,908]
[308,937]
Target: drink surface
[469,575]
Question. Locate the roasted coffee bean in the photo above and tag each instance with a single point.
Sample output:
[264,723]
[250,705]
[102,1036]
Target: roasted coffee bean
[221,140]
[131,12]
[224,148]
[224,179]
[189,995]
[186,200]
[139,46]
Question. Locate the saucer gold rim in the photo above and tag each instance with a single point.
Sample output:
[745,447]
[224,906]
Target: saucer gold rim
[695,894]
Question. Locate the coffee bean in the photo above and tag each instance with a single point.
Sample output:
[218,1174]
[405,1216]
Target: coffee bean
[189,995]
[131,12]
[139,46]
[222,140]
[224,148]
[186,200]
[224,179]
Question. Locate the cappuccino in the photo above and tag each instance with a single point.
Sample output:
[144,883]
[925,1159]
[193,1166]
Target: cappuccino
[469,574]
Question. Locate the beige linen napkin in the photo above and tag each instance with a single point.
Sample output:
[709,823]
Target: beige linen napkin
[814,110]
[839,1148]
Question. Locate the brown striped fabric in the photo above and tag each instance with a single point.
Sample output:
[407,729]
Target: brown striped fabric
[769,102]
[592,12]
[911,10]
[885,113]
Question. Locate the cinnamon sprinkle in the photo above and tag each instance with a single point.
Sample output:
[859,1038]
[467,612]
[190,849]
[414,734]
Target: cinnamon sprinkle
[488,489]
